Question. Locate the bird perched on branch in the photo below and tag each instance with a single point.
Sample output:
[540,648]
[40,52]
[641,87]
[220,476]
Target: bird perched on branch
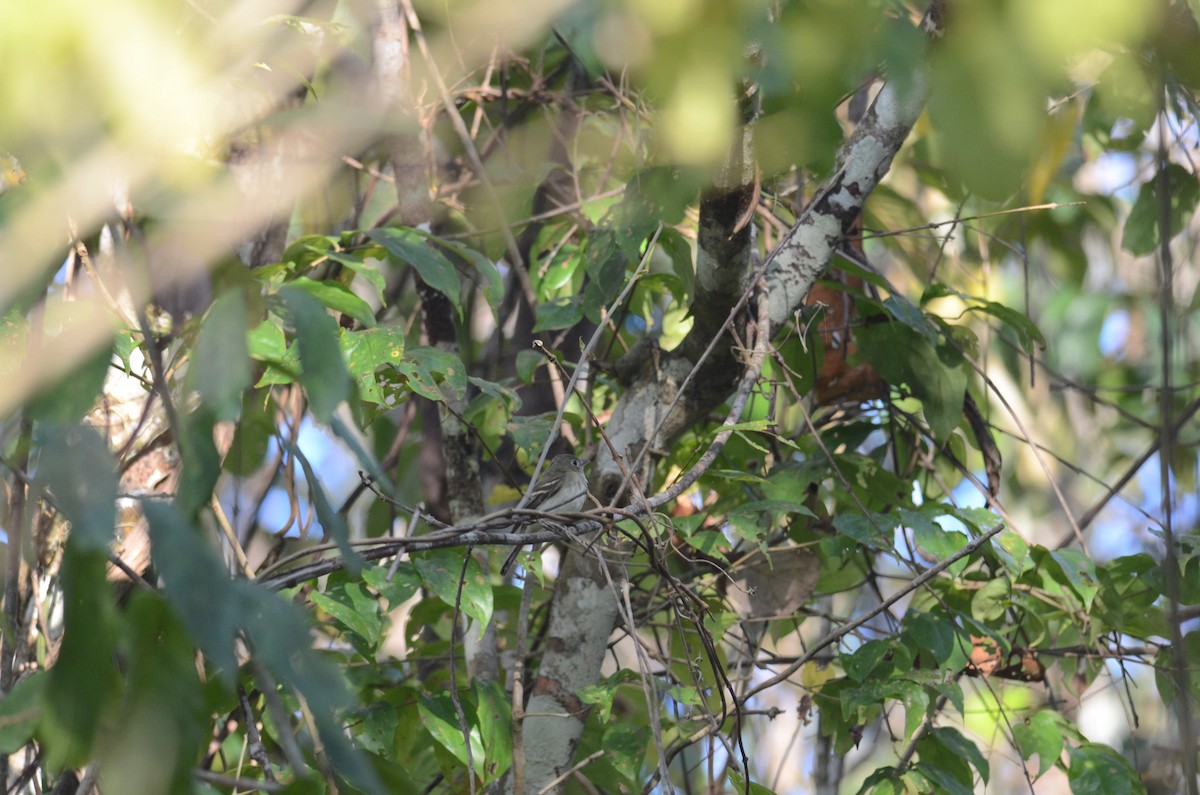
[562,488]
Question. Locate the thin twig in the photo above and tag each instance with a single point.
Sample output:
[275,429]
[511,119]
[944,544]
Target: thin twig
[454,698]
[849,627]
[283,721]
[580,765]
[258,751]
[592,342]
[954,221]
[741,396]
[231,537]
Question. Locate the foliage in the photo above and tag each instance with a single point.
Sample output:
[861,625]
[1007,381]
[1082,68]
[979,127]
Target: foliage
[946,524]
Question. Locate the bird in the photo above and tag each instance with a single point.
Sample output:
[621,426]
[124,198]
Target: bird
[562,488]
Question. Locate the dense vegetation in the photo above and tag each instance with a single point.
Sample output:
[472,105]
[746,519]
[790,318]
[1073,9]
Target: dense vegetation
[875,321]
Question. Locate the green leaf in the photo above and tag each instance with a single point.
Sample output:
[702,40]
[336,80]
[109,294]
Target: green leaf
[356,609]
[433,267]
[495,727]
[992,600]
[677,247]
[266,341]
[1189,582]
[605,262]
[430,371]
[558,314]
[253,436]
[687,696]
[306,250]
[978,520]
[959,746]
[527,364]
[739,785]
[403,585]
[1039,735]
[79,472]
[84,682]
[123,347]
[164,717]
[21,710]
[220,368]
[439,718]
[1080,571]
[942,774]
[842,568]
[602,694]
[367,270]
[784,507]
[1099,770]
[624,746]
[874,531]
[551,276]
[1013,551]
[196,584]
[440,571]
[372,356]
[911,316]
[379,725]
[884,782]
[338,297]
[866,659]
[498,391]
[323,373]
[916,703]
[1141,234]
[201,463]
[931,633]
[278,634]
[492,283]
[936,374]
[1166,683]
[934,541]
[1026,330]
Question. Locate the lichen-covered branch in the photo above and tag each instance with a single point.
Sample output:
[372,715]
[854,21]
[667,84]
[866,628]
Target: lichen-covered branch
[674,391]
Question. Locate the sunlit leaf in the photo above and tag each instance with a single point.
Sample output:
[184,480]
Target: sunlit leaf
[336,296]
[1039,735]
[433,267]
[438,716]
[442,573]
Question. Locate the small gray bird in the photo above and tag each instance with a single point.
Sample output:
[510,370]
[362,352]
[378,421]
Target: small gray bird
[562,488]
